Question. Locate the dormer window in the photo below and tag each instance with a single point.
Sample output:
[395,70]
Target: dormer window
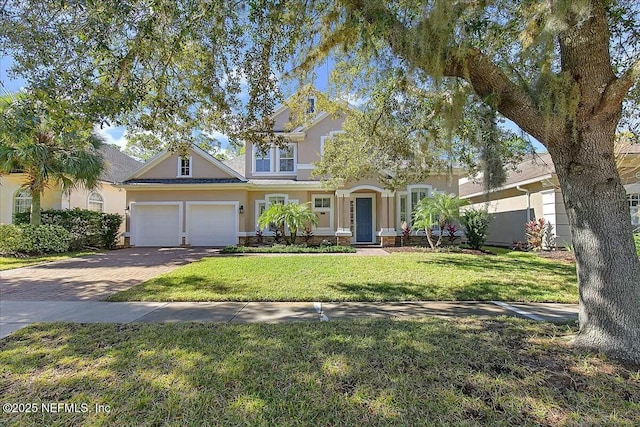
[184,167]
[312,106]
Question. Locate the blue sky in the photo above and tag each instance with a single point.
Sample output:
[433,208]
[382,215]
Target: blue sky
[117,135]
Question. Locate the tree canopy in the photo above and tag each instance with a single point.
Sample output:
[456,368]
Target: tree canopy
[562,70]
[48,146]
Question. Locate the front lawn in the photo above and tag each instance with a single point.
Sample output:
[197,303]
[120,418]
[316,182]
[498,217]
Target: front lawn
[512,276]
[463,372]
[7,263]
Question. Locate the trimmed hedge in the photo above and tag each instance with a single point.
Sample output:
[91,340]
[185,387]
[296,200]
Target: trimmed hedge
[33,239]
[285,249]
[89,229]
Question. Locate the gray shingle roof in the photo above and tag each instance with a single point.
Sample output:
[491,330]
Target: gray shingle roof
[237,164]
[534,166]
[118,166]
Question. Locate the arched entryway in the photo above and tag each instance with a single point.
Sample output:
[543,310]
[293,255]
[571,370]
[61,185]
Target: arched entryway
[366,215]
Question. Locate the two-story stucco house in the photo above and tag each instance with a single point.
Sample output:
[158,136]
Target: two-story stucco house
[201,201]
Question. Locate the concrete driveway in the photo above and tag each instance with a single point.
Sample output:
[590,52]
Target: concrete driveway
[94,277]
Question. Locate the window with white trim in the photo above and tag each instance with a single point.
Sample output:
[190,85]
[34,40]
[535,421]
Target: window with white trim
[403,209]
[286,158]
[323,140]
[262,205]
[414,195]
[322,206]
[634,208]
[96,202]
[417,194]
[263,161]
[22,201]
[275,159]
[184,166]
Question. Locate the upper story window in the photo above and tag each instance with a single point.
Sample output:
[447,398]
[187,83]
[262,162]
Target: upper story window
[96,202]
[287,158]
[312,106]
[263,161]
[22,201]
[275,159]
[634,207]
[325,138]
[184,166]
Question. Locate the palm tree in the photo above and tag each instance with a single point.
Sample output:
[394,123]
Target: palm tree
[48,152]
[294,216]
[440,209]
[298,216]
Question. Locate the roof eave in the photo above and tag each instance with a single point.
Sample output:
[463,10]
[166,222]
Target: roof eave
[509,186]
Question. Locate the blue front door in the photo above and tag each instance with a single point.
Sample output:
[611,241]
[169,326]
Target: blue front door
[364,219]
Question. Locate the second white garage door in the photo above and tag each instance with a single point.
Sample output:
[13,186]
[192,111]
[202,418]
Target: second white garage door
[212,224]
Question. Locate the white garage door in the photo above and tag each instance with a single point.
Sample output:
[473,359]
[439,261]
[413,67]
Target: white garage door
[155,225]
[212,225]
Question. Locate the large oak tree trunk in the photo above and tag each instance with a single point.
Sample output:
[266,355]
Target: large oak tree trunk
[607,266]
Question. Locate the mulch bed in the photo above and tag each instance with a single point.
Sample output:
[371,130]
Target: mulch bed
[564,256]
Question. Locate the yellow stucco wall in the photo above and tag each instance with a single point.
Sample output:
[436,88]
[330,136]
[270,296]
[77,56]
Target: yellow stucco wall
[9,186]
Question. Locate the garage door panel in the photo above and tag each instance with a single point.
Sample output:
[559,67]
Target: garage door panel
[156,225]
[211,225]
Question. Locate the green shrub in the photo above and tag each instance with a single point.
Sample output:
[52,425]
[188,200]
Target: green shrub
[33,239]
[10,237]
[475,223]
[636,239]
[110,225]
[88,228]
[288,249]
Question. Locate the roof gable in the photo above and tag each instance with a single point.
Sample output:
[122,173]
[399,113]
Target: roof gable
[204,166]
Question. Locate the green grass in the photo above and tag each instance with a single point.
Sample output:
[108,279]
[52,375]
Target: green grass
[463,372]
[7,263]
[513,276]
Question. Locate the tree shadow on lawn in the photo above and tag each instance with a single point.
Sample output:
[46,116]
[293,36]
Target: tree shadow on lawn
[507,372]
[516,291]
[168,288]
[516,266]
[478,290]
[384,291]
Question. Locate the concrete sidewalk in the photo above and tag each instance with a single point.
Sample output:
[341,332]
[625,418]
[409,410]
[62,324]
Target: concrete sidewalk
[18,314]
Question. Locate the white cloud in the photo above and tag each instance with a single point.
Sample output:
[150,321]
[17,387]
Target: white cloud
[354,99]
[112,135]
